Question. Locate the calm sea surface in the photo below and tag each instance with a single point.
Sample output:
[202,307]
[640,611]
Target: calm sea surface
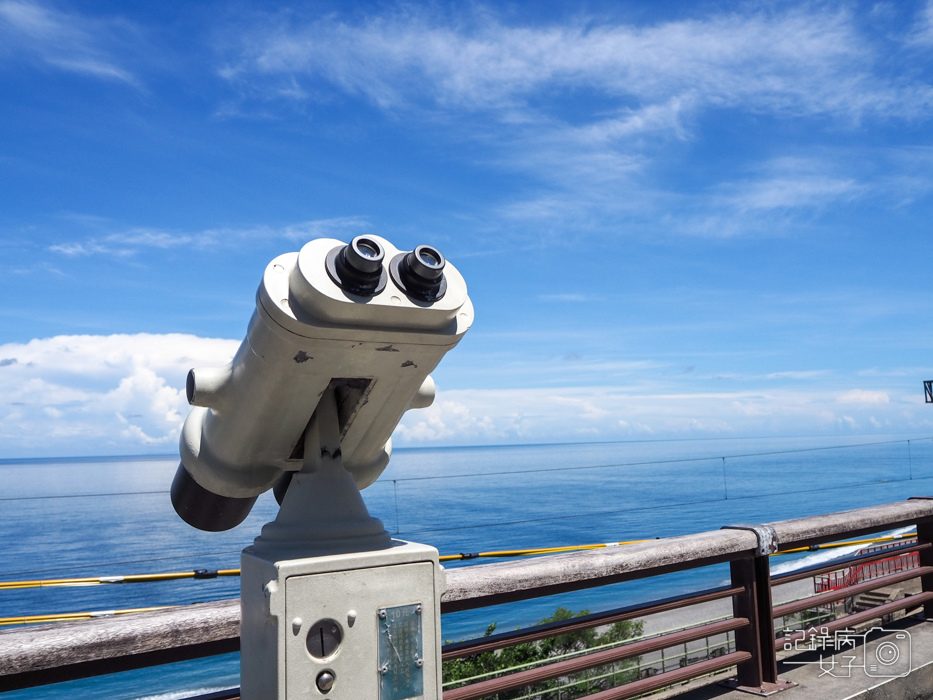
[62,519]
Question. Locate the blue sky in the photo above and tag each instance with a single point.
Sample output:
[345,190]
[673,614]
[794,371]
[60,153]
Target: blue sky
[675,219]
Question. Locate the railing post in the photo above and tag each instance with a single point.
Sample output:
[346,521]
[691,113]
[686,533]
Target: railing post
[925,535]
[750,674]
[762,566]
[753,573]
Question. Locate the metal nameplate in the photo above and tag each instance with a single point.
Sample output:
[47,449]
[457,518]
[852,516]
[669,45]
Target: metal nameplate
[401,656]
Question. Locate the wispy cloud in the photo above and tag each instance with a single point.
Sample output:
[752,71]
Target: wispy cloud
[128,243]
[771,196]
[607,413]
[589,108]
[802,60]
[863,396]
[922,33]
[779,376]
[790,193]
[571,297]
[66,41]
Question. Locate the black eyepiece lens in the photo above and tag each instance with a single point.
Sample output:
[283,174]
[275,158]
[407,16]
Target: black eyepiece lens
[429,257]
[426,263]
[357,267]
[364,255]
[368,249]
[420,273]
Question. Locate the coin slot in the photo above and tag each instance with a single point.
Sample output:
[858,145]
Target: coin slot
[324,637]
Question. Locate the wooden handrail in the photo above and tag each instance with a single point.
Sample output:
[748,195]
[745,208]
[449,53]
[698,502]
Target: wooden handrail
[817,529]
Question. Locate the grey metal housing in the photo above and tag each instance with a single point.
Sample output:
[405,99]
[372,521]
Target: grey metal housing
[246,427]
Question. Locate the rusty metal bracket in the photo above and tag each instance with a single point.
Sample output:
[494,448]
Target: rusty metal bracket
[767,537]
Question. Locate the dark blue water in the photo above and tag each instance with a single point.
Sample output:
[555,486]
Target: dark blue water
[60,519]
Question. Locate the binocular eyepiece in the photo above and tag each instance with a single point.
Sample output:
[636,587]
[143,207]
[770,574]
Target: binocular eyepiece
[420,273]
[357,268]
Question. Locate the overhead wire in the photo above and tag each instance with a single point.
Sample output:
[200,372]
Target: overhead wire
[543,519]
[540,470]
[707,501]
[148,560]
[683,460]
[81,495]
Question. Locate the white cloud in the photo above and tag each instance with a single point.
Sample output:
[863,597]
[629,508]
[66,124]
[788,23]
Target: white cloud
[447,421]
[99,394]
[791,192]
[772,195]
[587,107]
[797,374]
[124,394]
[129,242]
[607,413]
[862,396]
[922,33]
[65,41]
[570,297]
[801,60]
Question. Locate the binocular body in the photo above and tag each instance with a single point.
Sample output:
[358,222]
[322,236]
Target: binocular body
[317,326]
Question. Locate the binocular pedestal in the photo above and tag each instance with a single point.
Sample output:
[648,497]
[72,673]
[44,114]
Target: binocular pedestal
[363,626]
[331,605]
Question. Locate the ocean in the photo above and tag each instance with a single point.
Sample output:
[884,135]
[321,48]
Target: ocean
[112,516]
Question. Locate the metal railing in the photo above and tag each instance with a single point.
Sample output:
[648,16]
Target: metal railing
[38,655]
[852,575]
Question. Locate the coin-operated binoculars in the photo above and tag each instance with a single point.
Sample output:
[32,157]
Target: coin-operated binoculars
[341,344]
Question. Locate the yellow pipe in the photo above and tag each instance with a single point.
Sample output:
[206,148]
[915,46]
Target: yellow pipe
[96,581]
[540,550]
[142,578]
[62,617]
[849,543]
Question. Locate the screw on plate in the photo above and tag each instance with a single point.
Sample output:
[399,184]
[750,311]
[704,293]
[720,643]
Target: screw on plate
[382,614]
[384,669]
[419,662]
[418,610]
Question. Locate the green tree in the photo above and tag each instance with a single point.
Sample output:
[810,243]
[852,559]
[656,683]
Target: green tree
[585,682]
